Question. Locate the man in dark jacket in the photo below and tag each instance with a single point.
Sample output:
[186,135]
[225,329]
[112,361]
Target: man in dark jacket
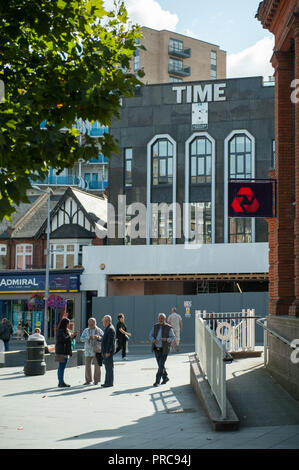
[108,349]
[6,331]
[161,336]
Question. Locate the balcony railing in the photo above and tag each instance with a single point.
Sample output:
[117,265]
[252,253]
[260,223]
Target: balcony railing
[99,159]
[60,180]
[185,53]
[183,72]
[72,181]
[97,185]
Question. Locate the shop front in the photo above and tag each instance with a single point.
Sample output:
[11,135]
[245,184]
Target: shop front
[22,300]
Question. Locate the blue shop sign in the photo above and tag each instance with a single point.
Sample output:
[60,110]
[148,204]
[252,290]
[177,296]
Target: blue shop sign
[35,282]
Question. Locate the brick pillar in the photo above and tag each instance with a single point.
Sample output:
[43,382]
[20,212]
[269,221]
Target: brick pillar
[294,309]
[282,238]
[271,231]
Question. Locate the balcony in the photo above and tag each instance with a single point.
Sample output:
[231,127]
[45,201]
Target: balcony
[99,159]
[184,53]
[97,185]
[54,180]
[180,71]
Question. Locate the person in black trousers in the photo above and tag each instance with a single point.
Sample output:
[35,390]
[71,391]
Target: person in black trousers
[161,336]
[63,349]
[121,336]
[108,349]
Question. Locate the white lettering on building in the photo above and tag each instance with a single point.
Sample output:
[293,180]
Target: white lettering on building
[18,282]
[200,93]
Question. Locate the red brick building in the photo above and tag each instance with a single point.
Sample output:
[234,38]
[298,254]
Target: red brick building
[281,17]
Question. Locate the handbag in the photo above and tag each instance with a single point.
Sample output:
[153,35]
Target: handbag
[96,346]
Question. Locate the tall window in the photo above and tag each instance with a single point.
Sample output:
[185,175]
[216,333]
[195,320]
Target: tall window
[24,256]
[128,167]
[3,251]
[162,162]
[240,157]
[201,161]
[213,69]
[161,224]
[240,166]
[201,224]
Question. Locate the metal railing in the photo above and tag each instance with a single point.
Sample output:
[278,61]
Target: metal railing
[236,330]
[212,356]
[263,323]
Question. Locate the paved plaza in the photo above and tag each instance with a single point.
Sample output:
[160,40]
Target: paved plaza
[35,414]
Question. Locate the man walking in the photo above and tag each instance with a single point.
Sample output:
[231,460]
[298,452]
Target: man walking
[175,321]
[108,349]
[161,336]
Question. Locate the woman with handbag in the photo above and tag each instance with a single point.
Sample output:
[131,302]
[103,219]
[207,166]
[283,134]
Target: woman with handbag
[92,338]
[63,349]
[122,336]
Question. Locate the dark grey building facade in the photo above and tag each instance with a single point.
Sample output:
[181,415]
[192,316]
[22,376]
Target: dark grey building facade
[179,143]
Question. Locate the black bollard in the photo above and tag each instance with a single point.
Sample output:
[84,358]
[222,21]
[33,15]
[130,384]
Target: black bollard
[35,360]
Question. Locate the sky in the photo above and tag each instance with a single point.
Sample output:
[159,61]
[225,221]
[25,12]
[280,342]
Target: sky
[230,24]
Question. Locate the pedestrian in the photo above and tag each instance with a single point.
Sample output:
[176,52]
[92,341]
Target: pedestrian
[175,321]
[26,330]
[213,323]
[38,336]
[6,330]
[63,349]
[161,336]
[92,338]
[108,349]
[122,336]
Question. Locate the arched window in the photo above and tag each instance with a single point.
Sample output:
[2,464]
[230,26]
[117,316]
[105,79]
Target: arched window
[200,161]
[241,166]
[240,157]
[162,162]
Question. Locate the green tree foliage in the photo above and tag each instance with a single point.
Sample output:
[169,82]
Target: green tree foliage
[59,60]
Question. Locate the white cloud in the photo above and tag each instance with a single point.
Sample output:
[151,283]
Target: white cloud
[148,13]
[253,61]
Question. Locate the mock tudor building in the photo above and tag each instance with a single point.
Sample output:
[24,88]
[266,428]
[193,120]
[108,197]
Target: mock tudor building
[179,146]
[75,218]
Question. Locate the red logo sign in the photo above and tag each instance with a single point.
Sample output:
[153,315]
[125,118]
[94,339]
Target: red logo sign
[245,201]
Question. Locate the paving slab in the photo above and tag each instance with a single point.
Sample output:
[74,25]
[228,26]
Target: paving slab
[36,414]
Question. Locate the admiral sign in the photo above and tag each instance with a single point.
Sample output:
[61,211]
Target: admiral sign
[248,199]
[34,283]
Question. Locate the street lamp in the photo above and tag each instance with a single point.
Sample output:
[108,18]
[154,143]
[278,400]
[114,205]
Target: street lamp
[49,192]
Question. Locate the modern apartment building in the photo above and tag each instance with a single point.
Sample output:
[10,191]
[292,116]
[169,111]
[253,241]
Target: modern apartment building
[89,175]
[173,57]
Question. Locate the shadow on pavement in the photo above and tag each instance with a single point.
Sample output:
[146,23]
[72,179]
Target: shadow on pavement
[168,406]
[259,400]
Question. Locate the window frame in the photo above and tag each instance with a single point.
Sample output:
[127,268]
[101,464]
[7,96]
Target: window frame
[236,133]
[24,255]
[128,182]
[158,161]
[205,176]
